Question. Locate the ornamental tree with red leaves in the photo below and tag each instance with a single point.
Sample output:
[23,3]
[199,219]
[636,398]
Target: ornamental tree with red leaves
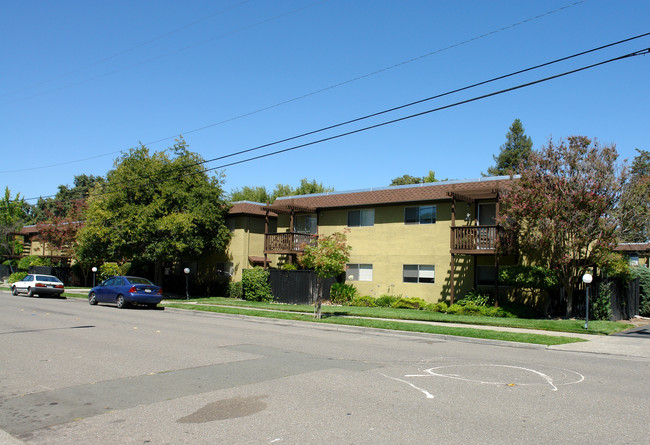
[562,208]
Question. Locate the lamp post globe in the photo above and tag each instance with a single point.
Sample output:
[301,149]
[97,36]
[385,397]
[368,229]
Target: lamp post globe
[187,288]
[94,269]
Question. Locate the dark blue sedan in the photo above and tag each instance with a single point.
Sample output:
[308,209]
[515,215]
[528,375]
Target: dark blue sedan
[126,290]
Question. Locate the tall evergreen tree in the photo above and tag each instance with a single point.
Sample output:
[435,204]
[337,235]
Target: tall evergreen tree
[513,155]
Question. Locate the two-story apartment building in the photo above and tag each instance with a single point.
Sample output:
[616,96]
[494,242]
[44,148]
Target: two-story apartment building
[434,241]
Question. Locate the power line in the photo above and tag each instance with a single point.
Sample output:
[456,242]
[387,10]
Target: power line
[411,116]
[304,96]
[389,110]
[127,50]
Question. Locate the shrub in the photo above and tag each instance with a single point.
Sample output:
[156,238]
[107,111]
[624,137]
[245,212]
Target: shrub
[235,290]
[600,305]
[386,300]
[108,270]
[436,307]
[255,285]
[26,262]
[363,300]
[477,298]
[409,303]
[528,277]
[341,293]
[643,273]
[289,266]
[16,276]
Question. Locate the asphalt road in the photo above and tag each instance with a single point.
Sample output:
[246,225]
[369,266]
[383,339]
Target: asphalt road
[71,373]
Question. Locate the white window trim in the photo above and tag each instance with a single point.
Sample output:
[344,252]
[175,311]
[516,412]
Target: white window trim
[422,273]
[363,272]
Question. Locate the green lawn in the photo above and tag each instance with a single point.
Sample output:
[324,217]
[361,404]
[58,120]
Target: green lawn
[388,318]
[574,326]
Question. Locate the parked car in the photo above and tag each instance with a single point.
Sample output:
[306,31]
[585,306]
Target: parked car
[126,290]
[37,284]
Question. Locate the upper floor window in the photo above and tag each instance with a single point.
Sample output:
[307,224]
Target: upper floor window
[306,224]
[420,215]
[359,218]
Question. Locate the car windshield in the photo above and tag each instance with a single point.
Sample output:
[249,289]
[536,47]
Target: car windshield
[47,278]
[137,280]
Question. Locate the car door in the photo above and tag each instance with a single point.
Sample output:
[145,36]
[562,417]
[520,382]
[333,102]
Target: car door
[25,283]
[103,291]
[116,288]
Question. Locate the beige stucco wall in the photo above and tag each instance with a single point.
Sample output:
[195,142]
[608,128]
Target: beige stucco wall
[247,239]
[390,244]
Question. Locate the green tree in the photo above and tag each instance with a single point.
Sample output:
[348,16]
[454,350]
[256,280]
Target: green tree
[155,207]
[634,209]
[66,198]
[253,194]
[327,257]
[261,194]
[561,209]
[513,155]
[408,179]
[12,218]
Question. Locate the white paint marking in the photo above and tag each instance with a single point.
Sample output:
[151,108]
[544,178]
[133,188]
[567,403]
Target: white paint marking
[425,392]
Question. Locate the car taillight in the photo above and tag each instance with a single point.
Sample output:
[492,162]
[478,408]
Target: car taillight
[39,285]
[159,292]
[133,290]
[59,286]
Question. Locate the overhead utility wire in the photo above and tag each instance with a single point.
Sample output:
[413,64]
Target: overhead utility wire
[389,110]
[127,50]
[169,53]
[313,92]
[485,96]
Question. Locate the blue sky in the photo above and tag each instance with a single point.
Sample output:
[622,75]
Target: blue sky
[82,81]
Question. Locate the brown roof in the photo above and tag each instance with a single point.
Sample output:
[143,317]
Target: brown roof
[248,208]
[484,188]
[633,247]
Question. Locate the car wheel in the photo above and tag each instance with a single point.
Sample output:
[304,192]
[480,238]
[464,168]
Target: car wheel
[92,299]
[30,292]
[13,290]
[120,301]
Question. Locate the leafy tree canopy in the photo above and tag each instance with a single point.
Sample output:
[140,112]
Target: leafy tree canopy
[562,208]
[408,179]
[12,217]
[261,194]
[67,198]
[155,207]
[634,209]
[327,257]
[513,155]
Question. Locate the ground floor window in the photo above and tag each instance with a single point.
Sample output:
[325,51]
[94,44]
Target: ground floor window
[486,275]
[359,272]
[419,273]
[224,269]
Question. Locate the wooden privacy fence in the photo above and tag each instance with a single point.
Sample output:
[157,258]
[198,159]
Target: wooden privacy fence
[297,286]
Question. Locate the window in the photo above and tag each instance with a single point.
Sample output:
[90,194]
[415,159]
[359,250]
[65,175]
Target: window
[420,215]
[224,269]
[361,218]
[486,275]
[306,224]
[359,272]
[419,273]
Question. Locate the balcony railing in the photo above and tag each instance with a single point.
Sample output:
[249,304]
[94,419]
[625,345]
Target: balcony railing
[478,239]
[287,242]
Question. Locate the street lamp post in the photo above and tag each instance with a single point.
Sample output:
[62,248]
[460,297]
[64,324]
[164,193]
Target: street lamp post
[187,288]
[587,278]
[94,269]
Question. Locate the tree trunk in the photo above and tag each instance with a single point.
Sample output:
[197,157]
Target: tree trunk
[569,300]
[319,297]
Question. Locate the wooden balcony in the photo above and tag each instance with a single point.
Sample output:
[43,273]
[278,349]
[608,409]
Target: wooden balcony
[287,242]
[478,240]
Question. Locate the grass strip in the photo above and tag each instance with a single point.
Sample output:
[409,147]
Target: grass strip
[387,324]
[596,327]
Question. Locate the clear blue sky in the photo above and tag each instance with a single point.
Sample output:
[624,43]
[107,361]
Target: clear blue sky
[83,80]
